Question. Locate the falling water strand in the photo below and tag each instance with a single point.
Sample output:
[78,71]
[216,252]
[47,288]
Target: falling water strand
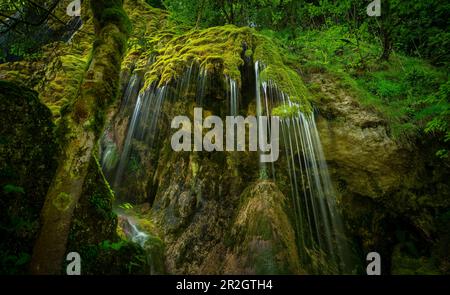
[259,116]
[131,91]
[151,111]
[127,144]
[319,230]
[202,80]
[142,125]
[233,97]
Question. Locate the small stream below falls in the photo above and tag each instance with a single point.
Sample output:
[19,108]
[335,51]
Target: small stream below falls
[129,226]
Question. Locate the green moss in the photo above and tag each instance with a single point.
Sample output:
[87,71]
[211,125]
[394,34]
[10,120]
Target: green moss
[218,50]
[275,69]
[285,111]
[62,201]
[110,12]
[154,248]
[214,49]
[262,232]
[194,164]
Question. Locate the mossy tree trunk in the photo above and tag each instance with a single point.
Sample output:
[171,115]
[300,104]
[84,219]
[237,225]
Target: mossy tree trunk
[85,123]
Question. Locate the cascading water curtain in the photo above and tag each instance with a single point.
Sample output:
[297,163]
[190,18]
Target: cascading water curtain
[144,107]
[322,245]
[320,236]
[142,125]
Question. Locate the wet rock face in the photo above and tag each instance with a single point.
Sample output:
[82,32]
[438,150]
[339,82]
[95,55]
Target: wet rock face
[205,212]
[264,240]
[366,159]
[213,224]
[358,148]
[391,193]
[194,207]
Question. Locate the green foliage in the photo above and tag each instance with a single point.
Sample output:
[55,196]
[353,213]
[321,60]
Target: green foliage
[23,47]
[407,96]
[126,206]
[204,12]
[11,5]
[437,115]
[13,263]
[107,245]
[420,28]
[11,188]
[101,203]
[134,164]
[411,94]
[286,111]
[113,257]
[417,28]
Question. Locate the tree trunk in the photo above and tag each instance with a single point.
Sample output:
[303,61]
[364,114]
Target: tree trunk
[387,23]
[387,45]
[231,12]
[97,91]
[200,13]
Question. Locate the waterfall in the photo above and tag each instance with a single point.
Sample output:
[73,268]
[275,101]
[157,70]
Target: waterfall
[321,242]
[142,125]
[131,91]
[143,107]
[264,103]
[319,230]
[234,104]
[201,86]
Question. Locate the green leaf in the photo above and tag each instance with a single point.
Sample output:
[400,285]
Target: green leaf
[11,188]
[23,259]
[443,154]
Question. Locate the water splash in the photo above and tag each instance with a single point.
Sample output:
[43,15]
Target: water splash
[131,230]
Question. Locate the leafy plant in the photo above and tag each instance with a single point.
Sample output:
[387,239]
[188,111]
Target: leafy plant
[11,188]
[134,164]
[126,206]
[107,245]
